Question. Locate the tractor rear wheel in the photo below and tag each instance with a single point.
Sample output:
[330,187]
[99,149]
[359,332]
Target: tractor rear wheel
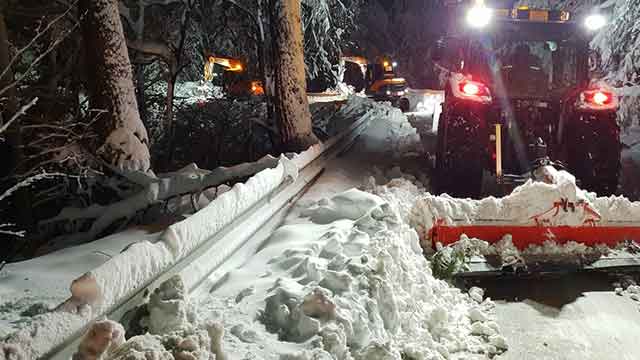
[593,151]
[459,156]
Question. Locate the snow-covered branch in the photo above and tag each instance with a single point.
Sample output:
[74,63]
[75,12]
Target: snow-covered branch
[20,112]
[162,189]
[4,231]
[28,182]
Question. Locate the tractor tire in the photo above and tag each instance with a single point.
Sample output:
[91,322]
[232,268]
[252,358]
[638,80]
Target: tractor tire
[460,157]
[404,105]
[594,152]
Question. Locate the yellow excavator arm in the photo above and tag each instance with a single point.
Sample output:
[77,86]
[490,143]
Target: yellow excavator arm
[229,64]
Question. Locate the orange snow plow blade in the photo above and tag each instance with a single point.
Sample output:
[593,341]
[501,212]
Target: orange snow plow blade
[523,236]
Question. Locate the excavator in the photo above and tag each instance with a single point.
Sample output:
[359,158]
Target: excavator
[380,81]
[522,110]
[235,79]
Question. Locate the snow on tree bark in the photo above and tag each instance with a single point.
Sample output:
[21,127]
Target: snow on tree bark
[126,143]
[292,114]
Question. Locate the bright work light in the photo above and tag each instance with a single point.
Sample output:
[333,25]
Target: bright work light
[595,21]
[479,16]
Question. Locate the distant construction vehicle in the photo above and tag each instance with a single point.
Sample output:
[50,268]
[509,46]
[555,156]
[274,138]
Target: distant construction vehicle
[235,78]
[378,80]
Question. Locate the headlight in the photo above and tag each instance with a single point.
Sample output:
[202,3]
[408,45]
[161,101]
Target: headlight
[479,16]
[388,92]
[595,21]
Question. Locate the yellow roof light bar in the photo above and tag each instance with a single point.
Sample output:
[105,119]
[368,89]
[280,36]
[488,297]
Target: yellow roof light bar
[524,13]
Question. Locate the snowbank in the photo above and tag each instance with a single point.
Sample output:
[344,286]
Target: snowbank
[143,261]
[392,132]
[170,329]
[196,91]
[351,283]
[426,102]
[529,204]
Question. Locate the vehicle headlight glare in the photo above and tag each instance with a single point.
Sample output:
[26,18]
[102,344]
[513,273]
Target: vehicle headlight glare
[479,16]
[595,21]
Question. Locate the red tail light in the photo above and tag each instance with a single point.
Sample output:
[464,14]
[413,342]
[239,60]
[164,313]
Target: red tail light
[464,88]
[597,99]
[601,98]
[470,88]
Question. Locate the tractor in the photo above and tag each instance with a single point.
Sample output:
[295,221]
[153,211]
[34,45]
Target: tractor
[518,96]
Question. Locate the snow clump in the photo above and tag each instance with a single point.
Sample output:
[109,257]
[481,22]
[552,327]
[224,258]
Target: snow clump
[367,292]
[171,329]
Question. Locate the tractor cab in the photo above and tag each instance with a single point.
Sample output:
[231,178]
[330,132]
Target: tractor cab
[233,76]
[518,94]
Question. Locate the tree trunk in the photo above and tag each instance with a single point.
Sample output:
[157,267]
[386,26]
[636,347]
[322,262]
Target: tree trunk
[139,68]
[291,107]
[125,143]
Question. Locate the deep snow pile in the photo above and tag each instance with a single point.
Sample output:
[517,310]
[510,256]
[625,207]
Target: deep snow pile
[628,286]
[168,328]
[530,204]
[391,130]
[350,282]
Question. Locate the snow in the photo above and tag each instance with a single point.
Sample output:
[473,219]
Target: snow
[340,92]
[426,102]
[529,203]
[44,281]
[348,281]
[143,260]
[197,91]
[115,266]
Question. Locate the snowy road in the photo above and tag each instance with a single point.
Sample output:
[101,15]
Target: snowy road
[567,318]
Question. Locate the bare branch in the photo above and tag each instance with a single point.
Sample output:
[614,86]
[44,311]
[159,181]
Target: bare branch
[39,58]
[22,111]
[35,38]
[28,181]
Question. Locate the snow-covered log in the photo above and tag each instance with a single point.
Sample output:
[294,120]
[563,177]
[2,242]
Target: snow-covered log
[162,189]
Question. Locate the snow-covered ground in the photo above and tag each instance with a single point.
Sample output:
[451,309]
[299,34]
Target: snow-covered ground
[344,278]
[34,286]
